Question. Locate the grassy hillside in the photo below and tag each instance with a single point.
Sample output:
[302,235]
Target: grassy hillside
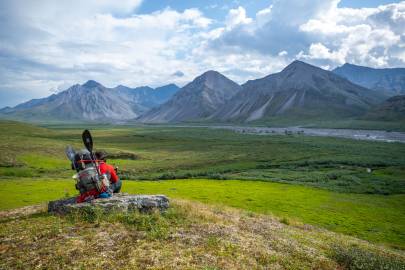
[393,108]
[373,217]
[188,236]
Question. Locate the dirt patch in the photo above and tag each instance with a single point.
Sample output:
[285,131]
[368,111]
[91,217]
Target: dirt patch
[23,211]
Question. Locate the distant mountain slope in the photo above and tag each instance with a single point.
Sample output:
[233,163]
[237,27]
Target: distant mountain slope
[148,97]
[393,109]
[197,100]
[388,80]
[91,102]
[301,91]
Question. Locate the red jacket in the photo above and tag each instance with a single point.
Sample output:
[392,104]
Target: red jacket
[89,195]
[106,168]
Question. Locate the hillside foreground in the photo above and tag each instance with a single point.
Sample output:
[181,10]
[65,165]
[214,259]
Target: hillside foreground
[189,235]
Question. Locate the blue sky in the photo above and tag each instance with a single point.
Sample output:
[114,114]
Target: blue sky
[251,6]
[47,46]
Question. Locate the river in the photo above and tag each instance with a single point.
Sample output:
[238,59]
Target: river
[369,135]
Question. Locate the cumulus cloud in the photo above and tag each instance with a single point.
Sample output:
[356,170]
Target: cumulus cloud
[368,36]
[39,52]
[237,17]
[320,32]
[47,45]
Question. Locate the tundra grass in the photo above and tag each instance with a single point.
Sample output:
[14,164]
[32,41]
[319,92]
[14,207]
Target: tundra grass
[189,235]
[377,218]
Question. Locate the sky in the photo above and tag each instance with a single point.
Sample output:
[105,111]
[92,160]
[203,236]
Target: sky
[46,45]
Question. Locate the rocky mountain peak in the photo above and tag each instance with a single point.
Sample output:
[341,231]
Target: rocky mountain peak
[210,80]
[197,100]
[92,84]
[299,66]
[210,74]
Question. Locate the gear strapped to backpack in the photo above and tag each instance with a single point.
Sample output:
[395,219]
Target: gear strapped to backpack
[89,181]
[87,177]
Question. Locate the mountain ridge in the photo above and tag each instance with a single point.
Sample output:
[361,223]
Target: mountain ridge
[390,81]
[91,101]
[203,96]
[299,90]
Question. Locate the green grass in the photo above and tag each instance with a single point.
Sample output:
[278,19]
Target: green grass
[23,192]
[373,217]
[329,182]
[179,153]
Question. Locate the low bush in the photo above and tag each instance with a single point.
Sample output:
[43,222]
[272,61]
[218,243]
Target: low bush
[356,258]
[285,221]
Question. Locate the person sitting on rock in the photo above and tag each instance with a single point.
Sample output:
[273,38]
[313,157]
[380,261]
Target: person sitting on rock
[115,181]
[86,172]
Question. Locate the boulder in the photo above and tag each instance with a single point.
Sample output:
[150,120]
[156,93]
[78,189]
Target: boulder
[118,202]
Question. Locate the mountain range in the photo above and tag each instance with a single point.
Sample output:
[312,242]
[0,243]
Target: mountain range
[390,81]
[299,91]
[92,101]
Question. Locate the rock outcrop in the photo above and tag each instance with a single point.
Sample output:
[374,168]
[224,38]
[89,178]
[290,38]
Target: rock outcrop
[119,202]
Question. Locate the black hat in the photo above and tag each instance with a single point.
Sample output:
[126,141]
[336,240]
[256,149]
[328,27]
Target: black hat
[101,155]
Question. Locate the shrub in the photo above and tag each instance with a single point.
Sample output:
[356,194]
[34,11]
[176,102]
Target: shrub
[332,176]
[167,176]
[285,221]
[355,257]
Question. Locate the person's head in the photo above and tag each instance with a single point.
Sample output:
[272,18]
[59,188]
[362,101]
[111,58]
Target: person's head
[101,155]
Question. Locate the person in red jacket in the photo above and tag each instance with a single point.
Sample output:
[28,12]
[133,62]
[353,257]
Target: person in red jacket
[109,170]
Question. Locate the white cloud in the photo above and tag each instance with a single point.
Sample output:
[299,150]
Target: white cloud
[283,53]
[263,16]
[134,50]
[321,32]
[237,17]
[363,36]
[47,44]
[319,51]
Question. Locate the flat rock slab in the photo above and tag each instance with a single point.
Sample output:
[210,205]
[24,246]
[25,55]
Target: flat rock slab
[118,202]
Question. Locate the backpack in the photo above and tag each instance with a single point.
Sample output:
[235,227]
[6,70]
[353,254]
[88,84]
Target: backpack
[87,177]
